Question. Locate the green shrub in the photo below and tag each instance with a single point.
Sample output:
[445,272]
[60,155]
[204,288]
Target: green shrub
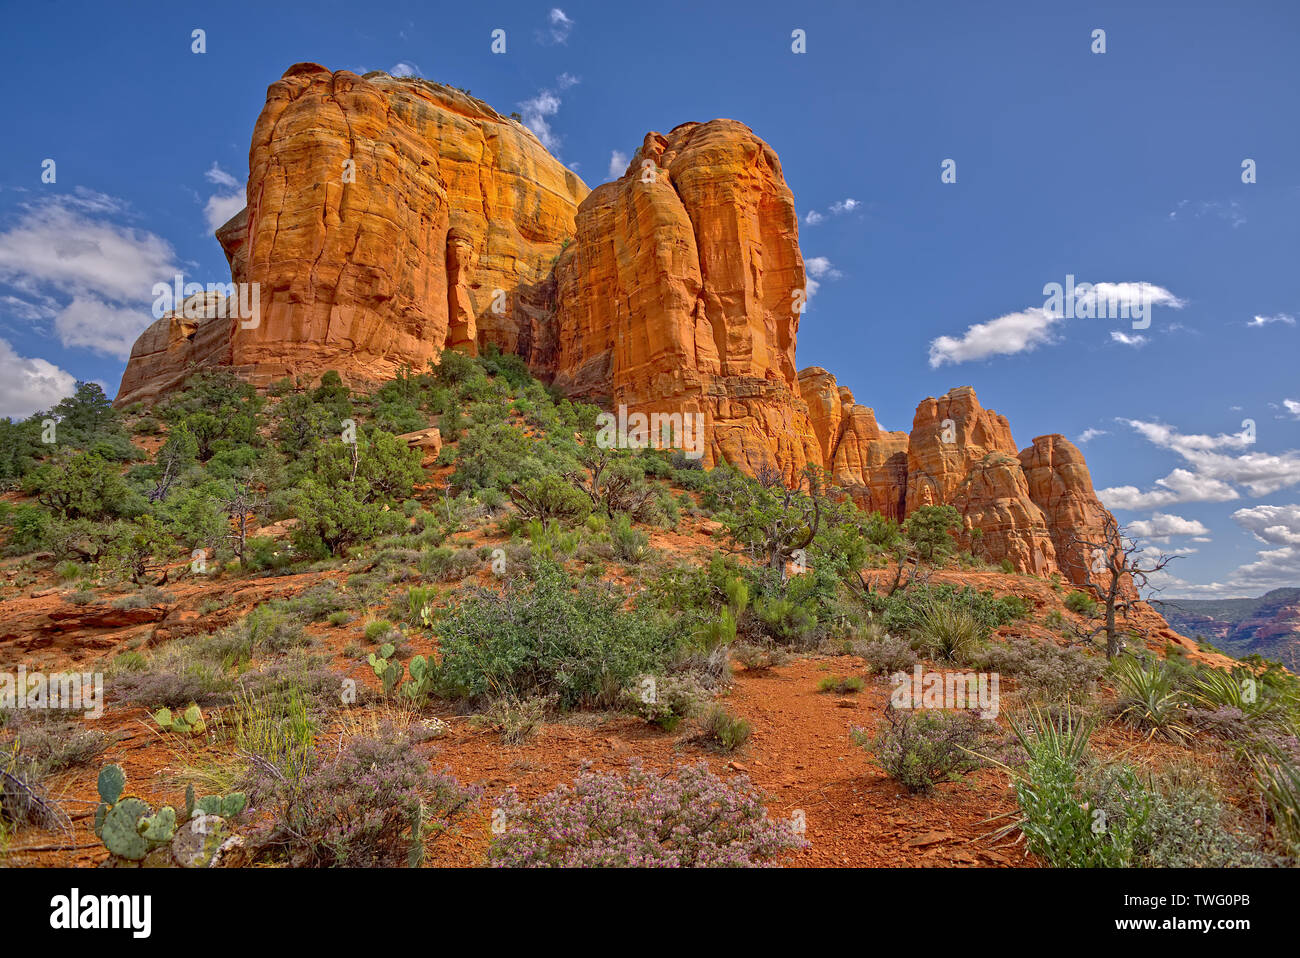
[918,747]
[630,544]
[725,731]
[841,684]
[1081,603]
[549,635]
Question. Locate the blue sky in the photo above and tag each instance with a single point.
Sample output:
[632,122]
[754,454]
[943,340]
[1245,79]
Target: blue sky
[1120,167]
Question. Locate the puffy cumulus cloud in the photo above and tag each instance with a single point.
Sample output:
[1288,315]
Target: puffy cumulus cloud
[1089,434]
[838,208]
[226,202]
[1181,485]
[29,385]
[817,269]
[67,244]
[1107,299]
[103,327]
[1215,473]
[1030,328]
[72,251]
[1276,525]
[1163,525]
[617,164]
[538,111]
[1004,336]
[403,69]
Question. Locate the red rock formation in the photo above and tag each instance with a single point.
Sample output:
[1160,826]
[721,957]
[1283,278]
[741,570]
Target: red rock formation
[1061,487]
[383,216]
[868,462]
[390,219]
[678,294]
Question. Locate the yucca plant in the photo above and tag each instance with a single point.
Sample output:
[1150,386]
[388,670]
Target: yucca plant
[950,632]
[1149,699]
[1238,689]
[1054,817]
[1279,781]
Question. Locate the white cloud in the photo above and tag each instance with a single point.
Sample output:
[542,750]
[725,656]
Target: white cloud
[1004,336]
[1276,525]
[221,206]
[559,26]
[64,246]
[1126,339]
[1124,296]
[1179,486]
[30,385]
[93,276]
[403,69]
[219,176]
[1272,569]
[219,209]
[1163,525]
[1231,211]
[1292,407]
[1214,473]
[1279,318]
[537,112]
[1090,434]
[103,327]
[617,164]
[25,309]
[838,208]
[818,268]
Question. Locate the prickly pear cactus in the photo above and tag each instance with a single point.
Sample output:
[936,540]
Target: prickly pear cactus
[111,782]
[189,722]
[121,829]
[159,827]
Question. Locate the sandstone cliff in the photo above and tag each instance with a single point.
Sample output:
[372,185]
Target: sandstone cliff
[390,219]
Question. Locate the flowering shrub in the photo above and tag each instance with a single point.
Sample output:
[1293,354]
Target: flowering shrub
[643,820]
[371,805]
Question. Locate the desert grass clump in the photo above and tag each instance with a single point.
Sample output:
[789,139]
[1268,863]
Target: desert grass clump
[759,656]
[517,720]
[886,655]
[724,731]
[643,819]
[841,684]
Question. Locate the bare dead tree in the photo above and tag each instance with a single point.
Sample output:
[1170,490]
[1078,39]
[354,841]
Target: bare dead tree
[243,507]
[1117,561]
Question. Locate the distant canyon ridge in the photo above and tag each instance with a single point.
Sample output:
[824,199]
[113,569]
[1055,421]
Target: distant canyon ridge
[390,219]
